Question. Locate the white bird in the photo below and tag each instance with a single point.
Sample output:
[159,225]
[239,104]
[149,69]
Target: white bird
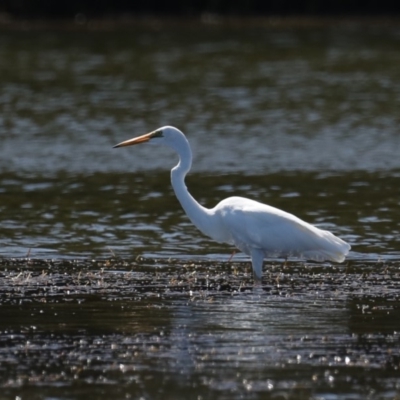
[256,229]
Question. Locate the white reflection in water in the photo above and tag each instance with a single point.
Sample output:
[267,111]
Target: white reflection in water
[253,333]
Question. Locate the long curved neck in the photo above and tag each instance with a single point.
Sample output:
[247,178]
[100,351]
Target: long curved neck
[199,215]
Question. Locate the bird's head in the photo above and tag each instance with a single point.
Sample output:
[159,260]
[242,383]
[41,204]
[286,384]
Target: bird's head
[167,135]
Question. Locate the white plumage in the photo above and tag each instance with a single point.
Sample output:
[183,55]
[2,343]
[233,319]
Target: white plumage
[254,228]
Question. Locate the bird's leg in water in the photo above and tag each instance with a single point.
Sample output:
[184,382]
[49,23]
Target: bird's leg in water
[257,260]
[230,258]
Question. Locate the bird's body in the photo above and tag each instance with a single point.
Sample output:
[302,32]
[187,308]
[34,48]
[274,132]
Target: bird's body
[256,229]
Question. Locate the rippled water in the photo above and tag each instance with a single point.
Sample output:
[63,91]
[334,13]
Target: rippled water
[304,119]
[137,213]
[131,329]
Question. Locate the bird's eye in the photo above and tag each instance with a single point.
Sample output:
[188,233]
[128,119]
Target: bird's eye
[157,134]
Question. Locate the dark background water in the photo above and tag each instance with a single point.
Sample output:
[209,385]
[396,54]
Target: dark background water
[302,118]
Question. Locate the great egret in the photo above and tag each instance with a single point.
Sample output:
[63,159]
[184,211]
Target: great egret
[256,229]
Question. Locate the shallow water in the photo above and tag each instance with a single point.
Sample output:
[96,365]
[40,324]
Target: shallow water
[303,118]
[151,329]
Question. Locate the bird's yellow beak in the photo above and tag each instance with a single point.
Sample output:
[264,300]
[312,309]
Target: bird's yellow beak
[136,140]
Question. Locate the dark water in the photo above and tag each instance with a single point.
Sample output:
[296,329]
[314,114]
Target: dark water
[305,119]
[151,329]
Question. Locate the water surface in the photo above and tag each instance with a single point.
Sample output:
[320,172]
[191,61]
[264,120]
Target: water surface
[151,329]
